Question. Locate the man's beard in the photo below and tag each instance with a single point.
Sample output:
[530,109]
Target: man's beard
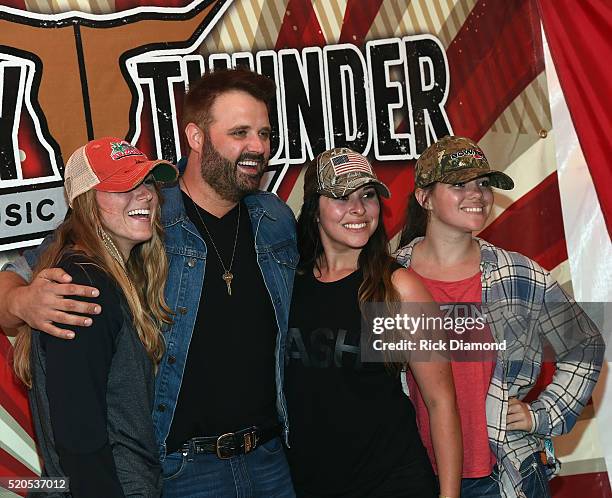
[223,175]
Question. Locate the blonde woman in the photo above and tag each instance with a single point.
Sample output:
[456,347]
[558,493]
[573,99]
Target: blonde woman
[92,397]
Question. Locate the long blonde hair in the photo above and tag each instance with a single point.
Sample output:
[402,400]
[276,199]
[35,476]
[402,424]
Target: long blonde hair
[142,281]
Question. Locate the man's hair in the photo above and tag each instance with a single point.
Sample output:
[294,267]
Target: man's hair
[203,93]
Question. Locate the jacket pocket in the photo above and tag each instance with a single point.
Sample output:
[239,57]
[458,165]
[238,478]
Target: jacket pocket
[285,253]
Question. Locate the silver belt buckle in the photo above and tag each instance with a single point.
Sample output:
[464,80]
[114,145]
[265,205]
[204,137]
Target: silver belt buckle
[220,440]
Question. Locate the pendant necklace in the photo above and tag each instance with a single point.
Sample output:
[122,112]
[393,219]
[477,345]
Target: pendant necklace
[227,276]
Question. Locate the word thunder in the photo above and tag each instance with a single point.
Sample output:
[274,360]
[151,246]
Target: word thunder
[334,96]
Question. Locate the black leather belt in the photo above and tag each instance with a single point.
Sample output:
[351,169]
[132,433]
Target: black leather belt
[231,444]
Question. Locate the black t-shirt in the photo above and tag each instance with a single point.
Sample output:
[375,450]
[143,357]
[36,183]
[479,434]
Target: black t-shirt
[351,424]
[229,379]
[93,395]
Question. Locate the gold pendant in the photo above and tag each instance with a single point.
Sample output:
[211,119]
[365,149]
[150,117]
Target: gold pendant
[227,276]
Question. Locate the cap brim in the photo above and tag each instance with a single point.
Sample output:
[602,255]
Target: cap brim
[130,177]
[497,178]
[380,187]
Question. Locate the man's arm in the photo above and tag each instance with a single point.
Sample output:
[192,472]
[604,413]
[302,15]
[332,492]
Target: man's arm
[43,300]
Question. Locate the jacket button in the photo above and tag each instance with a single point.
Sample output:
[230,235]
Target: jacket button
[161,407]
[182,310]
[171,360]
[191,262]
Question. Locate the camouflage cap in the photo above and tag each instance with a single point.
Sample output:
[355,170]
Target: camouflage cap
[339,172]
[456,160]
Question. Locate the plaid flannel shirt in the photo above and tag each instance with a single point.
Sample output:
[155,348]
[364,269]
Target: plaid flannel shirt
[526,307]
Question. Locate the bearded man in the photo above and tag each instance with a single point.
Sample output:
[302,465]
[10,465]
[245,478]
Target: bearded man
[219,407]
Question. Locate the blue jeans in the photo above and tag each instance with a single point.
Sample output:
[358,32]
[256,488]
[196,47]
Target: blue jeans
[261,473]
[534,482]
[481,487]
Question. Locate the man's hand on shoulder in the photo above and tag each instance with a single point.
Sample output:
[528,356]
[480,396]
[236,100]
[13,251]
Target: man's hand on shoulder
[45,301]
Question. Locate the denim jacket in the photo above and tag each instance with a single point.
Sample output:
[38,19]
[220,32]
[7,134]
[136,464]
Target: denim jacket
[273,226]
[275,245]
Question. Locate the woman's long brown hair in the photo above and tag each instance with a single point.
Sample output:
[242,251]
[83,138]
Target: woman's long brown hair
[416,219]
[142,282]
[375,260]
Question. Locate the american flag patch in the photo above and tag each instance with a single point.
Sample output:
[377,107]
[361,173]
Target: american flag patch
[349,163]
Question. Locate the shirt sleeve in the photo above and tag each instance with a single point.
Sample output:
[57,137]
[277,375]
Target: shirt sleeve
[579,350]
[77,375]
[22,265]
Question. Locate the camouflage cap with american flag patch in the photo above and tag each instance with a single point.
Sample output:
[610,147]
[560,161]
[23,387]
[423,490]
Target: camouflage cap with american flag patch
[456,160]
[339,172]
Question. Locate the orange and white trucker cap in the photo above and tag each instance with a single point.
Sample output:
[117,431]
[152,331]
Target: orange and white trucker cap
[111,165]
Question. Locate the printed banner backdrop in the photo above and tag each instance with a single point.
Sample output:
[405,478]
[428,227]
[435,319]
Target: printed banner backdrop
[384,77]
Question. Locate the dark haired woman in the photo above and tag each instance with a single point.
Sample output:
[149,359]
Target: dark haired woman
[504,437]
[92,396]
[353,431]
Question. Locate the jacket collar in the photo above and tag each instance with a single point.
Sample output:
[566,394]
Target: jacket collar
[173,210]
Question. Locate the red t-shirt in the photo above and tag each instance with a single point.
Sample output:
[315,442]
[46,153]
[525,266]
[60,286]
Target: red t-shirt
[472,381]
